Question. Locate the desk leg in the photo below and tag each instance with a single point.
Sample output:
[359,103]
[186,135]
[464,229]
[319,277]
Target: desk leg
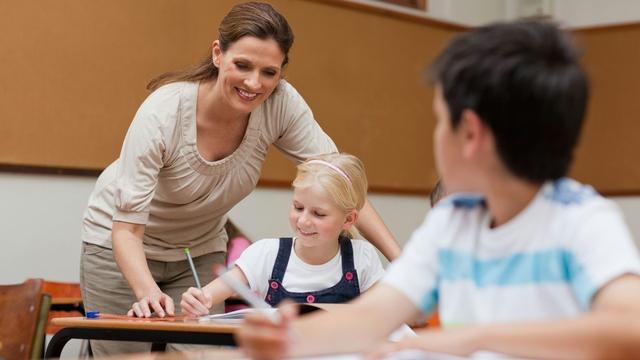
[57,343]
[60,339]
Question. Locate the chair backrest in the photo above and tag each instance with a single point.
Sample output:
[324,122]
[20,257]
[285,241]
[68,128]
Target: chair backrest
[23,314]
[235,247]
[238,242]
[66,301]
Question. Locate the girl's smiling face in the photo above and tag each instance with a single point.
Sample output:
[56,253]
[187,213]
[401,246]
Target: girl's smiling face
[316,219]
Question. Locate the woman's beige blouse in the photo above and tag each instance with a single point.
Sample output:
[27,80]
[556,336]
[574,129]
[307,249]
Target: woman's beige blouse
[161,180]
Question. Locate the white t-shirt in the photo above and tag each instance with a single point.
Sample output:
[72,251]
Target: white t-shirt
[257,261]
[161,180]
[545,263]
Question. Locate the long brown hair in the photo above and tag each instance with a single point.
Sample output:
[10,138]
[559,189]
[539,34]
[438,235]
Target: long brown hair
[255,19]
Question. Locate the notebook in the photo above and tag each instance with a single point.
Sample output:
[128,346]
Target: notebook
[236,317]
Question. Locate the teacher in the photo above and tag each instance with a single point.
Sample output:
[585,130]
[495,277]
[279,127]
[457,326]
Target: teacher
[195,148]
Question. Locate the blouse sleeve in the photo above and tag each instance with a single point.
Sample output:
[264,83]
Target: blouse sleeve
[301,136]
[141,159]
[256,262]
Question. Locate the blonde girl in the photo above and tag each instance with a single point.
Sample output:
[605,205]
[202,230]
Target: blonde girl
[320,263]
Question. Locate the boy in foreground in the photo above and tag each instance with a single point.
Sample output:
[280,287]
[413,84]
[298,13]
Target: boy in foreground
[520,260]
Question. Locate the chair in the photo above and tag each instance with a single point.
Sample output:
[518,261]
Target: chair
[23,315]
[238,242]
[66,301]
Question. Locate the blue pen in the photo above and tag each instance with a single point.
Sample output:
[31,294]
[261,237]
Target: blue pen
[193,268]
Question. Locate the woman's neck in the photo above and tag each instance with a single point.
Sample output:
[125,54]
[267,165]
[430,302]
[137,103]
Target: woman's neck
[316,255]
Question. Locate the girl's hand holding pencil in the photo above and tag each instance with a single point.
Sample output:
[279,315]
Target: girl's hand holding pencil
[195,302]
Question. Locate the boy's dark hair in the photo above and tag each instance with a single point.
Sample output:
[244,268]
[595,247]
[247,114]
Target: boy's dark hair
[437,193]
[524,81]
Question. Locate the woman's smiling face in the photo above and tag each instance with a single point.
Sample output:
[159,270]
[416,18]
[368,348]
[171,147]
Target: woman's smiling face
[249,71]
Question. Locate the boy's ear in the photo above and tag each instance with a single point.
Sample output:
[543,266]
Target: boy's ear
[350,219]
[473,131]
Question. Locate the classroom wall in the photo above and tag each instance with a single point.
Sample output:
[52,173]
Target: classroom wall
[588,13]
[468,12]
[571,13]
[79,99]
[361,76]
[41,215]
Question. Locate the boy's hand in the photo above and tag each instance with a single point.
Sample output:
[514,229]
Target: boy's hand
[195,302]
[158,302]
[261,338]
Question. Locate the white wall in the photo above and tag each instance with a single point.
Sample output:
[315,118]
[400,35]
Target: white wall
[585,13]
[570,13]
[41,215]
[468,12]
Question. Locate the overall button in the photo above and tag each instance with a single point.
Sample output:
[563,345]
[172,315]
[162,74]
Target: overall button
[348,276]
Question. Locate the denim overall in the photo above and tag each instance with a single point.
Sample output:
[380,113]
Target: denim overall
[346,289]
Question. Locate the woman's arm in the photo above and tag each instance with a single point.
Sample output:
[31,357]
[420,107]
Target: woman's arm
[129,255]
[372,228]
[299,137]
[610,330]
[196,302]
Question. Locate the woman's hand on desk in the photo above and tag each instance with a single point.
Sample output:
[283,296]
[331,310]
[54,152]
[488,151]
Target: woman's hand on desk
[261,338]
[195,302]
[157,302]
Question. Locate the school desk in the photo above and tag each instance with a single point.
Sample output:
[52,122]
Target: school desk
[159,332]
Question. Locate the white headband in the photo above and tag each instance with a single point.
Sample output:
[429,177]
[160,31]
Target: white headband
[337,169]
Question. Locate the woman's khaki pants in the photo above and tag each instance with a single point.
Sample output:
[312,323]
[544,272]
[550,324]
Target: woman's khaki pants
[104,289]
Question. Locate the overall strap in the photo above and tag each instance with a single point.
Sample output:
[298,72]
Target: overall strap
[282,259]
[346,251]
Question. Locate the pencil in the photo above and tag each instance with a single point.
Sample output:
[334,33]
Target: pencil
[193,267]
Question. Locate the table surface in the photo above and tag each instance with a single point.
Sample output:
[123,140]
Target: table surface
[177,323]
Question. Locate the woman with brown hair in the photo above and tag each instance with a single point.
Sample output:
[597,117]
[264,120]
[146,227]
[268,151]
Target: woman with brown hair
[195,148]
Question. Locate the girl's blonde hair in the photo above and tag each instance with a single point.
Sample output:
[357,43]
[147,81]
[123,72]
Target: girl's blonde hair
[346,185]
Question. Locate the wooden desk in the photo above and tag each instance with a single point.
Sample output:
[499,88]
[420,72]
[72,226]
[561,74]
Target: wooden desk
[178,330]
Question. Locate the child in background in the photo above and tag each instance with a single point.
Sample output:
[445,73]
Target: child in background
[320,264]
[519,259]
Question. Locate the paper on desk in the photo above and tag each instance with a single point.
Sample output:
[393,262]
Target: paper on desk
[234,317]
